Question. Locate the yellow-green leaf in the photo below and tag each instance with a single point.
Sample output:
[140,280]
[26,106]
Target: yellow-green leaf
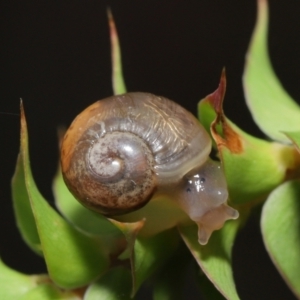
[280,224]
[215,257]
[48,291]
[130,232]
[114,285]
[117,73]
[73,258]
[146,254]
[152,253]
[253,167]
[22,209]
[14,284]
[294,136]
[83,218]
[273,110]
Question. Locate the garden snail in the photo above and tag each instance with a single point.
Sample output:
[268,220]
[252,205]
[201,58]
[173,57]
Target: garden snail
[123,150]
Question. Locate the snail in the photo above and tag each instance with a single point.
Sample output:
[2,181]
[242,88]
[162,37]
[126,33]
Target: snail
[122,151]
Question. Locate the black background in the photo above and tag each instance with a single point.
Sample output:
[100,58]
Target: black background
[56,56]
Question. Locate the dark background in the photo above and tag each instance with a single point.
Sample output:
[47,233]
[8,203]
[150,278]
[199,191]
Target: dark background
[56,56]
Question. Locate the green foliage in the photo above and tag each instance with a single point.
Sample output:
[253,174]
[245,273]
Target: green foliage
[215,257]
[294,136]
[79,254]
[85,219]
[261,170]
[91,255]
[280,224]
[14,285]
[114,285]
[273,110]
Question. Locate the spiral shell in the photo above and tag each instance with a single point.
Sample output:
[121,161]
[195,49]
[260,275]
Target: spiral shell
[122,150]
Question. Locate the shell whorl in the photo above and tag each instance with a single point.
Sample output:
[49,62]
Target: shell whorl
[119,150]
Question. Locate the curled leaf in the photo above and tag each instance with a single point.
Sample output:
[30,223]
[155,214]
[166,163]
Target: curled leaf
[273,110]
[253,167]
[73,258]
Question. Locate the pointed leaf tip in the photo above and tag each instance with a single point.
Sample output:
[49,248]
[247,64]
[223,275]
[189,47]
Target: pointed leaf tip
[20,193]
[273,110]
[130,231]
[221,128]
[45,231]
[117,72]
[217,97]
[253,167]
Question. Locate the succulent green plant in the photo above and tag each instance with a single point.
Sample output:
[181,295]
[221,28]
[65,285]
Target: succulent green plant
[89,256]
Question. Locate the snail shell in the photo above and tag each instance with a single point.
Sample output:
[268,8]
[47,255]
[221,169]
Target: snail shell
[121,151]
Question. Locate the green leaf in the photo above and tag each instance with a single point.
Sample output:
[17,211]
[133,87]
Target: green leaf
[253,167]
[280,223]
[73,258]
[152,253]
[207,288]
[84,218]
[49,292]
[294,136]
[114,285]
[117,73]
[145,253]
[22,209]
[169,283]
[14,284]
[215,257]
[273,110]
[130,232]
[169,286]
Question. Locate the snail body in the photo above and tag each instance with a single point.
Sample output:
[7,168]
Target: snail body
[124,150]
